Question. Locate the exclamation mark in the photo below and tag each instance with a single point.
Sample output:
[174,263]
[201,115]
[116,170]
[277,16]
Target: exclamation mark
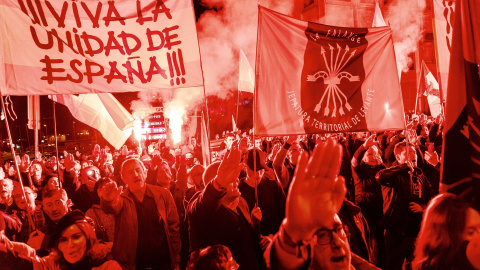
[177,69]
[41,13]
[182,67]
[170,67]
[34,13]
[22,7]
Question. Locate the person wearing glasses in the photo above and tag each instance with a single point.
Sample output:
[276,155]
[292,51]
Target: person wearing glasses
[312,236]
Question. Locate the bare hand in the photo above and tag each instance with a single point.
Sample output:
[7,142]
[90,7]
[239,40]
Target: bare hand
[124,151]
[69,162]
[110,191]
[316,193]
[38,156]
[291,139]
[370,141]
[411,166]
[156,162]
[415,207]
[243,145]
[265,242]
[256,215]
[103,156]
[96,151]
[35,239]
[230,167]
[275,149]
[439,119]
[24,163]
[432,158]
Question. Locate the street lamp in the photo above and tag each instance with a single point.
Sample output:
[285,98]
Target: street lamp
[46,136]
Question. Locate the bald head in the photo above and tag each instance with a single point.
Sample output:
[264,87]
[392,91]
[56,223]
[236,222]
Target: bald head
[23,203]
[6,188]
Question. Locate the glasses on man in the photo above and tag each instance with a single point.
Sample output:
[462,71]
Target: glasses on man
[325,236]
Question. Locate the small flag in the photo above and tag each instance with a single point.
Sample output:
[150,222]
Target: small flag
[234,125]
[431,91]
[89,109]
[246,77]
[378,20]
[122,118]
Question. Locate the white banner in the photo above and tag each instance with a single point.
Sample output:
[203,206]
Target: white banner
[91,46]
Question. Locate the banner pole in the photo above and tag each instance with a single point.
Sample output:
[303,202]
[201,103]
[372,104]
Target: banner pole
[407,139]
[238,104]
[56,142]
[255,103]
[12,148]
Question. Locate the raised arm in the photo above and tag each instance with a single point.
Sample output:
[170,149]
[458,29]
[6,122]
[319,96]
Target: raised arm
[315,196]
[209,200]
[278,162]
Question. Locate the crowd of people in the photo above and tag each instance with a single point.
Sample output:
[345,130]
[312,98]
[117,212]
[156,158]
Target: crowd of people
[323,201]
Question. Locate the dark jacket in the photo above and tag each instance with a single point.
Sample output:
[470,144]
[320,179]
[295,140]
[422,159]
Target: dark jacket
[398,191]
[360,239]
[271,200]
[82,198]
[368,192]
[211,222]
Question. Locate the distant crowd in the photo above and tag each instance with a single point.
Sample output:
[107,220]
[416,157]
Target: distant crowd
[366,200]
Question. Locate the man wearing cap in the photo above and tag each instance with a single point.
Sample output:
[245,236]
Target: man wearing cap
[271,198]
[219,215]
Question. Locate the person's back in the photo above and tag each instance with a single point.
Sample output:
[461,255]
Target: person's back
[214,223]
[218,215]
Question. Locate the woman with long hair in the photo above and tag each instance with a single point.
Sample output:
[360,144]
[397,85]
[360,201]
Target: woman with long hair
[449,224]
[73,245]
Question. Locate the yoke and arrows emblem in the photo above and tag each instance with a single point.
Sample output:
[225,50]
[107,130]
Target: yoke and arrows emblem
[332,77]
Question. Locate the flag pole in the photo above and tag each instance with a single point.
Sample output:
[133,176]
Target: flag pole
[56,142]
[407,139]
[12,148]
[255,103]
[203,84]
[238,101]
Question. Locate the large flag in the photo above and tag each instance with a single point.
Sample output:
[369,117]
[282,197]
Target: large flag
[89,109]
[93,46]
[314,78]
[461,149]
[246,76]
[443,20]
